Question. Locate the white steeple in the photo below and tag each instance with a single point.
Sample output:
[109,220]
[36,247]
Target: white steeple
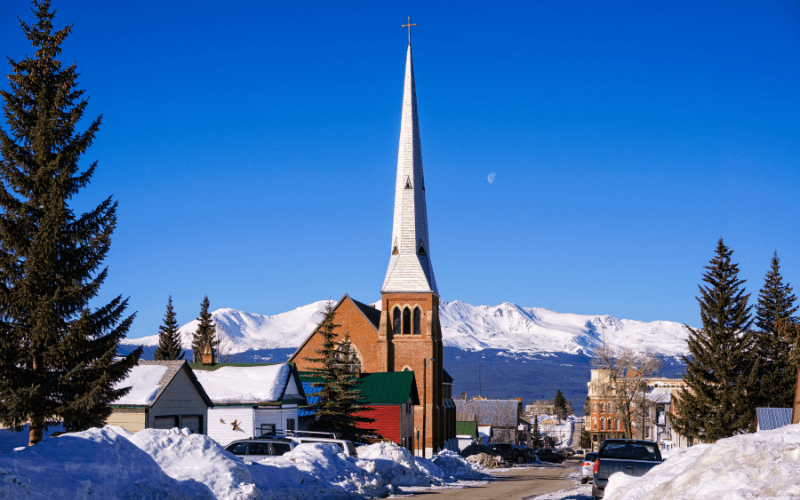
[410,268]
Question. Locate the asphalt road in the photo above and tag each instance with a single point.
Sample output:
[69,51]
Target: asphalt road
[516,484]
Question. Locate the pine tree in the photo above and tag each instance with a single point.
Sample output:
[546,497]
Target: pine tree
[776,303]
[169,339]
[57,356]
[721,372]
[206,333]
[560,405]
[536,437]
[339,399]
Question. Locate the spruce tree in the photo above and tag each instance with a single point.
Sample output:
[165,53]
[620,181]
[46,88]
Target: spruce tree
[169,339]
[560,405]
[776,304]
[206,333]
[57,356]
[721,372]
[536,436]
[339,399]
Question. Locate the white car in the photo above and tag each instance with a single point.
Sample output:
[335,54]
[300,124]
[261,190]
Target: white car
[255,449]
[587,467]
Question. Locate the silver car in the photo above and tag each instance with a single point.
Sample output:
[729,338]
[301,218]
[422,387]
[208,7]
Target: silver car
[253,450]
[587,467]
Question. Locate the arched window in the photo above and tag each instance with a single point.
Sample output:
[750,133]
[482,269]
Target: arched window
[406,321]
[417,321]
[594,423]
[602,424]
[396,321]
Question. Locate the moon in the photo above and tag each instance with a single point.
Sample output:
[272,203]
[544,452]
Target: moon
[492,177]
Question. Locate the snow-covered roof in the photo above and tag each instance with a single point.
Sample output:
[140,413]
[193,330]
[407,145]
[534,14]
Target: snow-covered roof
[245,384]
[149,378]
[145,381]
[660,395]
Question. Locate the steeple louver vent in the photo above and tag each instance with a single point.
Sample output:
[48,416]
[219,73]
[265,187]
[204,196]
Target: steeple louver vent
[408,183]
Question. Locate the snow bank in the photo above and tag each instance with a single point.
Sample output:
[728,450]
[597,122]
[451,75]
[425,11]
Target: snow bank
[112,463]
[761,465]
[183,455]
[98,463]
[240,384]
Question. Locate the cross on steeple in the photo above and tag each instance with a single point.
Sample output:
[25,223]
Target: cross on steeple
[409,25]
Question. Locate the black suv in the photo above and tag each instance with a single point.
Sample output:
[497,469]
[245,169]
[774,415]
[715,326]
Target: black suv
[253,450]
[549,455]
[511,453]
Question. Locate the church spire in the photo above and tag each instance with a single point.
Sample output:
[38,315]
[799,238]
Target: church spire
[410,268]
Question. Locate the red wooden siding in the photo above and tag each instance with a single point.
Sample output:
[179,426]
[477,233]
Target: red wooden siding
[387,421]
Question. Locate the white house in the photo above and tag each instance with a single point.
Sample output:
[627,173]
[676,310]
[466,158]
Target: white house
[250,399]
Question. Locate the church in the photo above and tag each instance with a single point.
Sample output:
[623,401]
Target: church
[404,334]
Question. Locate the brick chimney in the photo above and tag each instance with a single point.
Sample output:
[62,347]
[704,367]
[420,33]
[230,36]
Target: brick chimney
[208,356]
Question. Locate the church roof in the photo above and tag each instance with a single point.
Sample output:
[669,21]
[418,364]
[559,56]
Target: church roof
[410,268]
[372,314]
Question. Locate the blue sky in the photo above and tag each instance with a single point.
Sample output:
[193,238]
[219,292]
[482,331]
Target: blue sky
[252,147]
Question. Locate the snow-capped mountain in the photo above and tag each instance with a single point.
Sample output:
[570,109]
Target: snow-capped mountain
[507,327]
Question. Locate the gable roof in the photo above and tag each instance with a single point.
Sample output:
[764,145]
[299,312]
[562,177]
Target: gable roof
[248,383]
[372,315]
[773,418]
[380,388]
[496,412]
[149,378]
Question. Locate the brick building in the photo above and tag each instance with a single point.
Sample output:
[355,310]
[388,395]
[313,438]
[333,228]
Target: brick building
[404,333]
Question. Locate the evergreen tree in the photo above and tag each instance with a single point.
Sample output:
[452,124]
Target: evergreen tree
[776,303]
[169,339]
[206,333]
[721,372]
[57,356]
[339,399]
[536,436]
[560,405]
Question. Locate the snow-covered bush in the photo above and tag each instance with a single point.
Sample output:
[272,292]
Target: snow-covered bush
[455,466]
[395,464]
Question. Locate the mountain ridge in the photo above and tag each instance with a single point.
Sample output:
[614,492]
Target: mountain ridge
[507,326]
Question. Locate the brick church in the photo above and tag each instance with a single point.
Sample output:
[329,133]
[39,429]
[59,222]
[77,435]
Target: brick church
[404,333]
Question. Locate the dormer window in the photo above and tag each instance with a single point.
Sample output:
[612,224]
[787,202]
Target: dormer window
[408,183]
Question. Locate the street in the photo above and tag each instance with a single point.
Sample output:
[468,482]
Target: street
[517,483]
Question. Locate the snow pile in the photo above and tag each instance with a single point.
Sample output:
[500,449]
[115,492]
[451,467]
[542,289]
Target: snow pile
[397,466]
[761,465]
[144,381]
[183,455]
[111,463]
[98,463]
[244,384]
[455,466]
[507,327]
[487,461]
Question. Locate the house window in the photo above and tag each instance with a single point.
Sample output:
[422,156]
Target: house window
[267,429]
[602,408]
[396,321]
[406,321]
[594,407]
[417,321]
[193,422]
[594,423]
[165,422]
[602,424]
[290,424]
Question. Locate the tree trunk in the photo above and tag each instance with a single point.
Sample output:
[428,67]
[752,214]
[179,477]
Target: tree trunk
[36,431]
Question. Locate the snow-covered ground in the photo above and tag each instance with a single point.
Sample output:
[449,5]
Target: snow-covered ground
[562,432]
[111,463]
[761,465]
[507,326]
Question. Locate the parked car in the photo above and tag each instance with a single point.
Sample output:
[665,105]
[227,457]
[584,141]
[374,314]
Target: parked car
[569,452]
[587,467]
[299,437]
[255,449]
[511,453]
[581,452]
[629,456]
[550,455]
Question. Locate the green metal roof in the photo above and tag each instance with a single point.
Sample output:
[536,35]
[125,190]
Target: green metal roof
[391,388]
[467,428]
[201,366]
